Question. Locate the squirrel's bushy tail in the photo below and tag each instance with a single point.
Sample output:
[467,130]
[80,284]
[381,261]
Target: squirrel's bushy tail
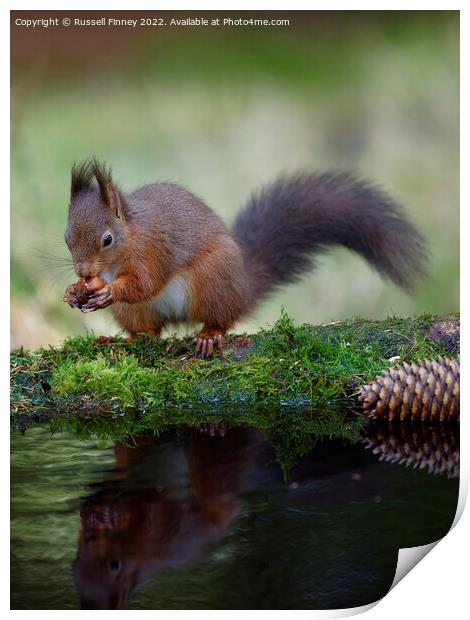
[288,222]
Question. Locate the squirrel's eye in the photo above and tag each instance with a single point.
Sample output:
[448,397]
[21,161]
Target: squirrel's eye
[107,240]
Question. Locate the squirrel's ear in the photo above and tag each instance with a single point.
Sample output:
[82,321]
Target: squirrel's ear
[109,193]
[113,200]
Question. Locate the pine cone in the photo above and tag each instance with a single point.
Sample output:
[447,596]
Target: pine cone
[429,390]
[436,450]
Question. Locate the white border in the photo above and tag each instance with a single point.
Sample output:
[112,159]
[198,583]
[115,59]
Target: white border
[436,589]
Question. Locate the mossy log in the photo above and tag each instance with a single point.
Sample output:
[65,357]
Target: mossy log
[287,366]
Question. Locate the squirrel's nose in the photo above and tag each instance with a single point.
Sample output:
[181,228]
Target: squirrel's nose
[82,270]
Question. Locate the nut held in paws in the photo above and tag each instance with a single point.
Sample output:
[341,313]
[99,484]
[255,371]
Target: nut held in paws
[78,294]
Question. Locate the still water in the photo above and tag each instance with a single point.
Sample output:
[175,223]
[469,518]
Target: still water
[206,518]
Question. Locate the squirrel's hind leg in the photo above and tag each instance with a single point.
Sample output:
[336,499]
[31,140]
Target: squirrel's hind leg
[137,319]
[219,293]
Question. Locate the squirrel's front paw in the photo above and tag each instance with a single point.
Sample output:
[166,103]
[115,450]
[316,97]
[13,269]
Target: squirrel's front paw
[101,299]
[71,297]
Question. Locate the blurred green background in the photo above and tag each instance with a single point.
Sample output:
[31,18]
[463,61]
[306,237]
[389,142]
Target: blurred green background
[223,111]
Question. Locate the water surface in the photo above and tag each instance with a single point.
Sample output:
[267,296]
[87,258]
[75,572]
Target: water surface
[207,518]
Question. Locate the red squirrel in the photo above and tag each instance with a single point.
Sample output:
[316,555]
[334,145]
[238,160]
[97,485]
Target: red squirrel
[164,257]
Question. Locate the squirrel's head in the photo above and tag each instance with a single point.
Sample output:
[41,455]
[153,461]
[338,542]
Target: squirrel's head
[97,231]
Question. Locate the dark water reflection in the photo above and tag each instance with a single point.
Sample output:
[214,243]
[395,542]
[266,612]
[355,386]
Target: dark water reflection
[206,519]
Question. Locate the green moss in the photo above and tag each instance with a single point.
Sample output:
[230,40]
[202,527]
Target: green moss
[286,366]
[292,432]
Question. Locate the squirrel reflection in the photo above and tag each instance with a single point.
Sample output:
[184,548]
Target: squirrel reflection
[167,501]
[169,497]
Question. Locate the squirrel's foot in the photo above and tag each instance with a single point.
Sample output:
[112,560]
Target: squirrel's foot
[101,340]
[206,340]
[101,299]
[214,430]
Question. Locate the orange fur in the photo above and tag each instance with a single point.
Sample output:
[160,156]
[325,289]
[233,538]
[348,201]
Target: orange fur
[163,235]
[159,232]
[219,284]
[138,318]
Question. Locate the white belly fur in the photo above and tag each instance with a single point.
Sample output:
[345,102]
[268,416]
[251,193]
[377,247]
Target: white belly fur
[109,275]
[172,302]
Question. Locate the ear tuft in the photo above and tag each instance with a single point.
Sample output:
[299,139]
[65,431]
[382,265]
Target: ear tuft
[81,177]
[102,174]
